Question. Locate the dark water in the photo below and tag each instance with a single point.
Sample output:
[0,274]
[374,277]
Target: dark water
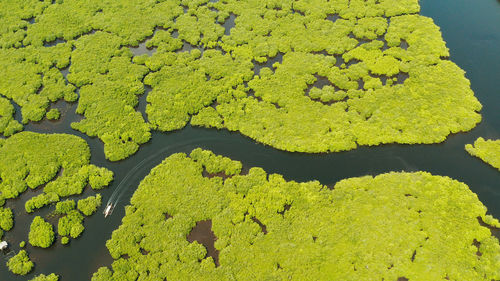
[472,32]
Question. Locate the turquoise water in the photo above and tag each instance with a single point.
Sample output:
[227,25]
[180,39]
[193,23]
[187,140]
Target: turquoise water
[472,32]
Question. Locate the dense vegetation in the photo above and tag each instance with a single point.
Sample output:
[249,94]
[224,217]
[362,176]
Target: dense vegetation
[6,220]
[361,57]
[70,225]
[32,160]
[64,207]
[486,150]
[89,205]
[412,226]
[40,200]
[109,84]
[20,263]
[58,166]
[53,114]
[43,277]
[311,76]
[8,125]
[41,233]
[31,75]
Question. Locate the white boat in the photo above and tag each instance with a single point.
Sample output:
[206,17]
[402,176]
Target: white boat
[108,210]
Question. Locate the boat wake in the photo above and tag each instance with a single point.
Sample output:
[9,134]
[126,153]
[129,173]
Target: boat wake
[9,254]
[152,160]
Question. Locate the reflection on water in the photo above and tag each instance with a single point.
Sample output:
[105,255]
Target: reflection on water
[17,112]
[269,63]
[229,23]
[54,43]
[472,32]
[142,102]
[142,49]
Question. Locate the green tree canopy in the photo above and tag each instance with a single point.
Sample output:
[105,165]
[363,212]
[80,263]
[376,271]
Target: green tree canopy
[8,125]
[61,164]
[89,205]
[20,263]
[486,150]
[64,207]
[33,159]
[6,219]
[412,226]
[41,233]
[70,225]
[308,76]
[53,114]
[43,277]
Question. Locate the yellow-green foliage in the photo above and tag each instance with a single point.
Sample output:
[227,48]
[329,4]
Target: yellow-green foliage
[41,233]
[43,277]
[64,207]
[6,219]
[214,164]
[182,87]
[109,83]
[40,201]
[89,205]
[359,47]
[58,161]
[31,159]
[8,125]
[64,240]
[53,114]
[15,15]
[32,79]
[71,221]
[486,150]
[20,263]
[70,225]
[283,108]
[412,226]
[99,178]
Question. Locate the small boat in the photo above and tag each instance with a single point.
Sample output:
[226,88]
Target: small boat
[108,210]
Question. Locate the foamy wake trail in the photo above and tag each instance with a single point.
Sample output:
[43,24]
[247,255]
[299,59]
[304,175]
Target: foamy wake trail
[123,186]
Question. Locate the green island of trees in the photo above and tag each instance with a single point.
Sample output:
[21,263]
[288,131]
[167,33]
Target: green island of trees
[20,263]
[309,76]
[486,150]
[43,277]
[53,114]
[70,225]
[57,165]
[6,220]
[41,233]
[89,205]
[394,226]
